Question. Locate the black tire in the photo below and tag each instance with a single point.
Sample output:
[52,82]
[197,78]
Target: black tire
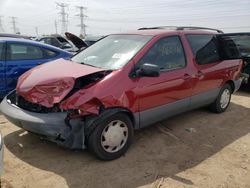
[216,106]
[95,139]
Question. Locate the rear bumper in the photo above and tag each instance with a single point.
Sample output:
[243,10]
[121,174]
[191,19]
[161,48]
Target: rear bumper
[237,84]
[50,125]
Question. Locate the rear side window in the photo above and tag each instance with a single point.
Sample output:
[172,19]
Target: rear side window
[50,41]
[62,40]
[1,51]
[49,53]
[205,48]
[24,52]
[167,53]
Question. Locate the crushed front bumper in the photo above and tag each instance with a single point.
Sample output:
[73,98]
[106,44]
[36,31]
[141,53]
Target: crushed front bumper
[51,126]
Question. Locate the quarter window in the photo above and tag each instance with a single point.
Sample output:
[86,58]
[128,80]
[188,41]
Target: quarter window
[49,53]
[24,52]
[167,53]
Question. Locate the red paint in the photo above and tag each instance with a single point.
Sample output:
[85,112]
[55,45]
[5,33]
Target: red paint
[51,82]
[117,89]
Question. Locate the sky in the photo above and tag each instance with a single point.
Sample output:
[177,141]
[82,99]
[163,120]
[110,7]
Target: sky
[112,16]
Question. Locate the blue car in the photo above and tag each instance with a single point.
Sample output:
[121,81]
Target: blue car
[19,55]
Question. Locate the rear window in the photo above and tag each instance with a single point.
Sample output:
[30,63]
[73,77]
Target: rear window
[204,48]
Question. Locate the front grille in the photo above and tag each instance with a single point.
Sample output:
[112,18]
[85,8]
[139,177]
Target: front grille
[26,105]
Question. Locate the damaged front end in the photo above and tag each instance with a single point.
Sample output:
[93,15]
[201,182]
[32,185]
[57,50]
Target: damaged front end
[57,126]
[37,109]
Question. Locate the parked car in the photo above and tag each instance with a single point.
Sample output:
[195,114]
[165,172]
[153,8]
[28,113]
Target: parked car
[71,43]
[122,83]
[15,36]
[19,55]
[242,41]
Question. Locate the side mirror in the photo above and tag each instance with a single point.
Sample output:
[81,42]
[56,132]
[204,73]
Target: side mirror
[148,70]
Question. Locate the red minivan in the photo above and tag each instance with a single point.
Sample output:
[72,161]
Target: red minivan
[125,82]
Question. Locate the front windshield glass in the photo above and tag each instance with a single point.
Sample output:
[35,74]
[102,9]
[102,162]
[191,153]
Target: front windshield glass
[112,52]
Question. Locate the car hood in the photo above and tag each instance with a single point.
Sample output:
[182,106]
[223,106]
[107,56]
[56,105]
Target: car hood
[79,43]
[49,83]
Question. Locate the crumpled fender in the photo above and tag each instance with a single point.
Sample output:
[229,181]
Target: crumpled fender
[106,93]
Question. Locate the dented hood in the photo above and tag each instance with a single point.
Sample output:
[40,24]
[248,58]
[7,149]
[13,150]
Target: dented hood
[49,83]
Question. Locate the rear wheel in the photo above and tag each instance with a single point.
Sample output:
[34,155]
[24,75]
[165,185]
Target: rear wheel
[223,100]
[112,137]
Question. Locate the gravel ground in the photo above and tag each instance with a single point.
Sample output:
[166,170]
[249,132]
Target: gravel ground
[195,149]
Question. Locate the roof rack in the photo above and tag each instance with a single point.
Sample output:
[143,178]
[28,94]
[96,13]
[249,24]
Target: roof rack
[181,28]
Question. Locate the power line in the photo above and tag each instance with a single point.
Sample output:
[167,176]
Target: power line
[82,16]
[1,24]
[63,14]
[13,22]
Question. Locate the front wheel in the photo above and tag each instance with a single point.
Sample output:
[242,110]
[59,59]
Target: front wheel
[223,100]
[112,137]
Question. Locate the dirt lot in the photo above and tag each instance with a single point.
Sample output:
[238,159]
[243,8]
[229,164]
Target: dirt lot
[215,152]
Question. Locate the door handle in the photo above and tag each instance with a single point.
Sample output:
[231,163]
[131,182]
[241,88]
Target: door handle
[199,74]
[186,77]
[39,63]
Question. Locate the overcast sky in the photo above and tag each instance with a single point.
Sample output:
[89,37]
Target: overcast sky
[113,16]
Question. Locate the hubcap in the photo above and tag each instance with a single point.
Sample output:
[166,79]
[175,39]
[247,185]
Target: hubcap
[114,136]
[225,98]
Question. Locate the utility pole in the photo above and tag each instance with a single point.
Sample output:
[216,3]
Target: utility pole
[56,26]
[63,16]
[82,16]
[1,24]
[36,28]
[13,21]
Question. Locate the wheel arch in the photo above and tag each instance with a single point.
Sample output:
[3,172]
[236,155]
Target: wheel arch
[232,85]
[107,112]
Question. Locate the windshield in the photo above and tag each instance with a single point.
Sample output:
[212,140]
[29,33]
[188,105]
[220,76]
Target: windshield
[112,52]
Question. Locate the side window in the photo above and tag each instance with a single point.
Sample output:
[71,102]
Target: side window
[42,40]
[24,52]
[49,53]
[54,42]
[167,53]
[62,40]
[205,48]
[1,52]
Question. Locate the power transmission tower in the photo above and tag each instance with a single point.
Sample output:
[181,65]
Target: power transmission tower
[36,29]
[1,24]
[56,26]
[63,16]
[82,17]
[13,21]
